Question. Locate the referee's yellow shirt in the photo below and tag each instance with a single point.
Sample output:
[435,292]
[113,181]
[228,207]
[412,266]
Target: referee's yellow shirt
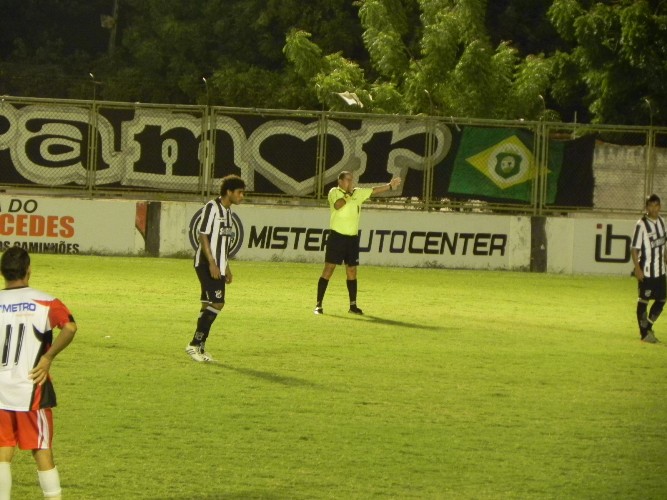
[346,219]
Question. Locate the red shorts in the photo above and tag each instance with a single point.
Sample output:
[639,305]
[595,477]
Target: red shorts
[30,430]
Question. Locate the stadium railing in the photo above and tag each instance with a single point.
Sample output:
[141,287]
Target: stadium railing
[99,149]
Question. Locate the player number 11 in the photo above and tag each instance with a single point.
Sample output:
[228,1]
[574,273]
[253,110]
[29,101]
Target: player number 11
[7,344]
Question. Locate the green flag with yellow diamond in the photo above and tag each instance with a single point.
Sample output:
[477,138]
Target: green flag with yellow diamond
[500,164]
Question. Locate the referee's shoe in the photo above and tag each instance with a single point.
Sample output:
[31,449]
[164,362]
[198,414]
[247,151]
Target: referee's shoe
[355,310]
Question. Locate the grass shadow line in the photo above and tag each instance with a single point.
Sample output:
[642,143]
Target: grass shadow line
[249,495]
[270,376]
[386,321]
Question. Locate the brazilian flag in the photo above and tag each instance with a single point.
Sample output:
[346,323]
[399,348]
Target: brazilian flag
[500,164]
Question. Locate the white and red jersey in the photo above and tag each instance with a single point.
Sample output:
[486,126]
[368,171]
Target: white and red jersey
[27,319]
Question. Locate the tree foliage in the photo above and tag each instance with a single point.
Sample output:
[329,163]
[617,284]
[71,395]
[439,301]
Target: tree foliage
[445,64]
[163,49]
[234,44]
[600,60]
[617,57]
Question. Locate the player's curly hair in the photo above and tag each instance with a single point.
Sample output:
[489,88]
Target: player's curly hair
[653,198]
[15,263]
[231,183]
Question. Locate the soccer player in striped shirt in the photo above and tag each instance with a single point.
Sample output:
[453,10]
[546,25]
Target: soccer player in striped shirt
[342,245]
[27,320]
[216,234]
[649,254]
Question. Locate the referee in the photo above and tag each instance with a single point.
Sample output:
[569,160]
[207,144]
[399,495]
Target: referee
[650,259]
[343,242]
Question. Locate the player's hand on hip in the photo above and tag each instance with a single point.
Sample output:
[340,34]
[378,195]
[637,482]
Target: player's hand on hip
[40,373]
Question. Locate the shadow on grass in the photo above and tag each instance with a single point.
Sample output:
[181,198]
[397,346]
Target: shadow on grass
[270,376]
[228,496]
[387,321]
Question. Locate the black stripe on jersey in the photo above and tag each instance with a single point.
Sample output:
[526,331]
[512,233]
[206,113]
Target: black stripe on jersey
[663,248]
[647,248]
[205,217]
[218,250]
[649,239]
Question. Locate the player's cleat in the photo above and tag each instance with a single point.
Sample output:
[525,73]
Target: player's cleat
[650,338]
[208,357]
[195,353]
[355,310]
[318,310]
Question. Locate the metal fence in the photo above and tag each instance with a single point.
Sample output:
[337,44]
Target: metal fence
[167,152]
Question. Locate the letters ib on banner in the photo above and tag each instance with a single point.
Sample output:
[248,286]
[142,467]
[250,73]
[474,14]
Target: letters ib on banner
[67,226]
[602,246]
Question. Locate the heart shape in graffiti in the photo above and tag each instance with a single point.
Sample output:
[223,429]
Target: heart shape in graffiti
[286,154]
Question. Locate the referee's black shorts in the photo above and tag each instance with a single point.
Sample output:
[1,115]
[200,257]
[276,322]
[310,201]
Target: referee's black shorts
[342,248]
[653,288]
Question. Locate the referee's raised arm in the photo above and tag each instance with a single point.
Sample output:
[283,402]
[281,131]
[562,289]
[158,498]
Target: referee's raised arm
[392,185]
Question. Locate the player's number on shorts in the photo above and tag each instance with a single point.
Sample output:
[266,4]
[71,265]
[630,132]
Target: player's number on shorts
[8,342]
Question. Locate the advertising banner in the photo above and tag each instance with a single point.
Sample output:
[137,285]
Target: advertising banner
[602,246]
[66,226]
[387,237]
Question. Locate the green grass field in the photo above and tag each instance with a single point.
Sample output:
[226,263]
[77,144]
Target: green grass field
[455,385]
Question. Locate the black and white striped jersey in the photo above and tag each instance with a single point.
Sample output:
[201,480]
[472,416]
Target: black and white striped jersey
[649,239]
[216,223]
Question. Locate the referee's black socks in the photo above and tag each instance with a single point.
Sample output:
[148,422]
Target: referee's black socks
[321,290]
[352,291]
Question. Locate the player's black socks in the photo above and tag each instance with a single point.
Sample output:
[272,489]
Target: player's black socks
[352,291]
[206,319]
[322,285]
[656,310]
[642,319]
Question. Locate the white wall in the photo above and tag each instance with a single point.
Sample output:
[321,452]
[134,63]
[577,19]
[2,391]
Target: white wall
[560,243]
[389,237]
[589,245]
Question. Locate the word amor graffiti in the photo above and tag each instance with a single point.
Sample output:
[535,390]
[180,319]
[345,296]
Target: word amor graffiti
[163,149]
